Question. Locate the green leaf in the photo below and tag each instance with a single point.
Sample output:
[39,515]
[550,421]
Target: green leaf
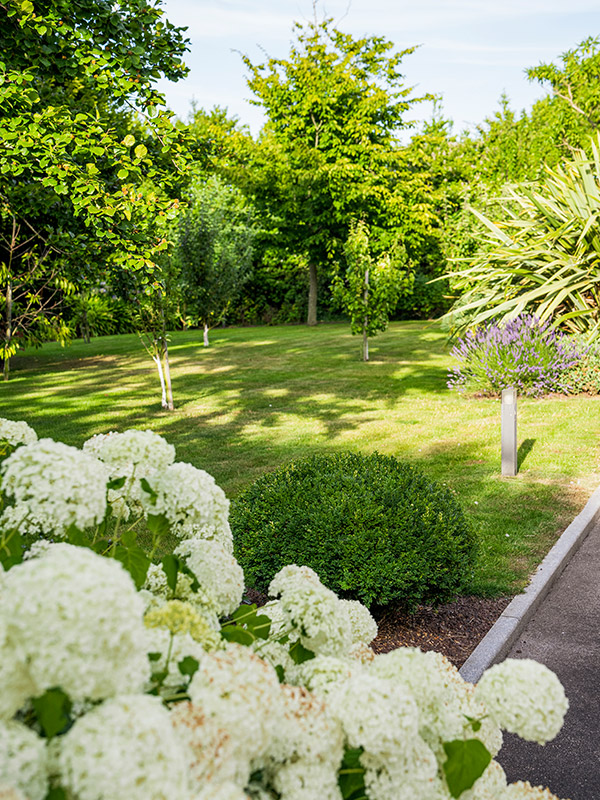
[52,710]
[116,483]
[11,552]
[149,490]
[135,561]
[56,794]
[129,538]
[140,151]
[466,761]
[260,626]
[158,524]
[129,140]
[170,565]
[74,536]
[122,174]
[233,633]
[299,654]
[280,673]
[154,656]
[351,776]
[188,666]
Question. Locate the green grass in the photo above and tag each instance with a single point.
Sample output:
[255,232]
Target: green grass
[258,397]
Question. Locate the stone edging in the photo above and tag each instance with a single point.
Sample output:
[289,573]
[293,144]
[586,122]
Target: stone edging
[499,639]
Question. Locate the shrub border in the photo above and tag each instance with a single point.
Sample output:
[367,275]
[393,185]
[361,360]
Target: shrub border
[499,639]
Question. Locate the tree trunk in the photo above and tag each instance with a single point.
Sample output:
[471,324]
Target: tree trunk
[8,329]
[366,319]
[165,349]
[161,377]
[312,295]
[85,327]
[205,335]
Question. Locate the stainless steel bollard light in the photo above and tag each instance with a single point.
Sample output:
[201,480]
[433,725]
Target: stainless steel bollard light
[509,431]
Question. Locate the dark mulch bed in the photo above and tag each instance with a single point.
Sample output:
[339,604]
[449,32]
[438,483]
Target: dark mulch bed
[454,629]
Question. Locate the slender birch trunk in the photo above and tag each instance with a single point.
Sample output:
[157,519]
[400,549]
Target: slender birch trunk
[157,360]
[205,335]
[167,368]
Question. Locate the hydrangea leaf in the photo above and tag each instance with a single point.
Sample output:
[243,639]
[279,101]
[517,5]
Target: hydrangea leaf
[11,550]
[466,761]
[233,633]
[351,777]
[52,710]
[299,654]
[116,483]
[188,666]
[135,561]
[170,565]
[158,524]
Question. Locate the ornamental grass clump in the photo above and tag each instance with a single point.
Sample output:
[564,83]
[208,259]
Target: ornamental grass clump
[129,676]
[525,353]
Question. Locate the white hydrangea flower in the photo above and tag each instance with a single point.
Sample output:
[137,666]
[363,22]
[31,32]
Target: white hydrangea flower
[443,697]
[75,618]
[525,698]
[362,624]
[226,686]
[132,455]
[313,610]
[306,731]
[124,748]
[376,714]
[323,674]
[289,575]
[306,780]
[280,625]
[224,791]
[490,786]
[17,432]
[176,648]
[17,686]
[11,793]
[23,760]
[156,592]
[276,654]
[361,652]
[523,790]
[218,573]
[408,774]
[214,756]
[190,499]
[54,486]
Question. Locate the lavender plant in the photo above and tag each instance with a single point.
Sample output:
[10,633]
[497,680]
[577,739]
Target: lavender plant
[525,353]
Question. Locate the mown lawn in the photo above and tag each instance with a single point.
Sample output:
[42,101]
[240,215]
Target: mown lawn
[258,397]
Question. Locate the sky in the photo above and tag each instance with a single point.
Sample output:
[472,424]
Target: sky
[470,51]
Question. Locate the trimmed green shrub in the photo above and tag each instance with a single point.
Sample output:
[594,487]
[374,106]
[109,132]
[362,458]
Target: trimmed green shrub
[373,528]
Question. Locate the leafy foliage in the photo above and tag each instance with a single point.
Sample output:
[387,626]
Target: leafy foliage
[373,528]
[326,156]
[369,289]
[214,250]
[544,255]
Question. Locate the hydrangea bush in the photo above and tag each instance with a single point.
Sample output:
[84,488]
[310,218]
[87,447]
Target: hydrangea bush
[125,675]
[524,353]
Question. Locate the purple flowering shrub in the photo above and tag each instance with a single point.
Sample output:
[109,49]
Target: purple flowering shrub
[524,353]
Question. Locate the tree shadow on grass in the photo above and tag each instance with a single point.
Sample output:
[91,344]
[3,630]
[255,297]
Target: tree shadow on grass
[238,384]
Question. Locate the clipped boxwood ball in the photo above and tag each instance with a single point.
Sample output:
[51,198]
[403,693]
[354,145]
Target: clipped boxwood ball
[373,528]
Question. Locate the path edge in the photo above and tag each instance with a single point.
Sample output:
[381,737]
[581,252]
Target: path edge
[499,639]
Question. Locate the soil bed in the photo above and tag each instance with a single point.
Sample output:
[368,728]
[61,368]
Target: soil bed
[454,629]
